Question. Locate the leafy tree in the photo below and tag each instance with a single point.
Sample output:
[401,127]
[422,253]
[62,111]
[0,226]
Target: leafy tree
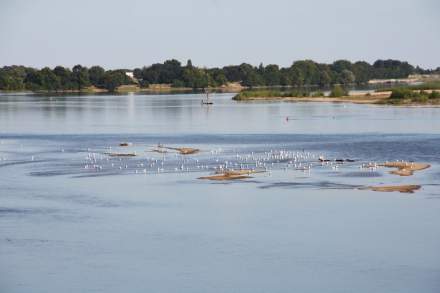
[80,77]
[250,76]
[272,75]
[195,78]
[324,78]
[285,77]
[347,77]
[392,69]
[96,76]
[49,80]
[12,77]
[216,77]
[33,80]
[137,73]
[65,78]
[307,72]
[362,71]
[114,78]
[232,73]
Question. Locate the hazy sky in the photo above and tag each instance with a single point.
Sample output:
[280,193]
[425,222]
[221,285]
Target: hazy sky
[132,33]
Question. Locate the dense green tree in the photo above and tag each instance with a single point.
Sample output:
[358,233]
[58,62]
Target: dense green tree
[137,73]
[347,77]
[12,77]
[285,77]
[272,75]
[232,73]
[362,71]
[341,65]
[96,76]
[49,81]
[114,78]
[65,78]
[392,69]
[308,71]
[195,78]
[217,77]
[33,80]
[80,77]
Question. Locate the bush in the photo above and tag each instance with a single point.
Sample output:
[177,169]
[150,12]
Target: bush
[401,93]
[338,91]
[434,95]
[420,98]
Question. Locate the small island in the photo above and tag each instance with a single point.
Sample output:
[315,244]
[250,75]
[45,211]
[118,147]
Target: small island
[425,94]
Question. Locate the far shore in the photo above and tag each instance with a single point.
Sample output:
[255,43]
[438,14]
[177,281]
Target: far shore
[154,88]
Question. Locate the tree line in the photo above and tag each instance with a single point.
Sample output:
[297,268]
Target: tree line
[300,73]
[61,78]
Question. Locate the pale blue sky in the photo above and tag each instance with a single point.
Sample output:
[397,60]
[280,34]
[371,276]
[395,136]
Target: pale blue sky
[132,33]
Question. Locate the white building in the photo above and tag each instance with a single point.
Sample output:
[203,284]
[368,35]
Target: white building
[129,74]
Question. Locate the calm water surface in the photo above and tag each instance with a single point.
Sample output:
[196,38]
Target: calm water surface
[73,219]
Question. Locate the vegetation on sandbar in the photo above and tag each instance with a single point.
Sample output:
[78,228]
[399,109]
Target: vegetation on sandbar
[268,93]
[404,96]
[337,91]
